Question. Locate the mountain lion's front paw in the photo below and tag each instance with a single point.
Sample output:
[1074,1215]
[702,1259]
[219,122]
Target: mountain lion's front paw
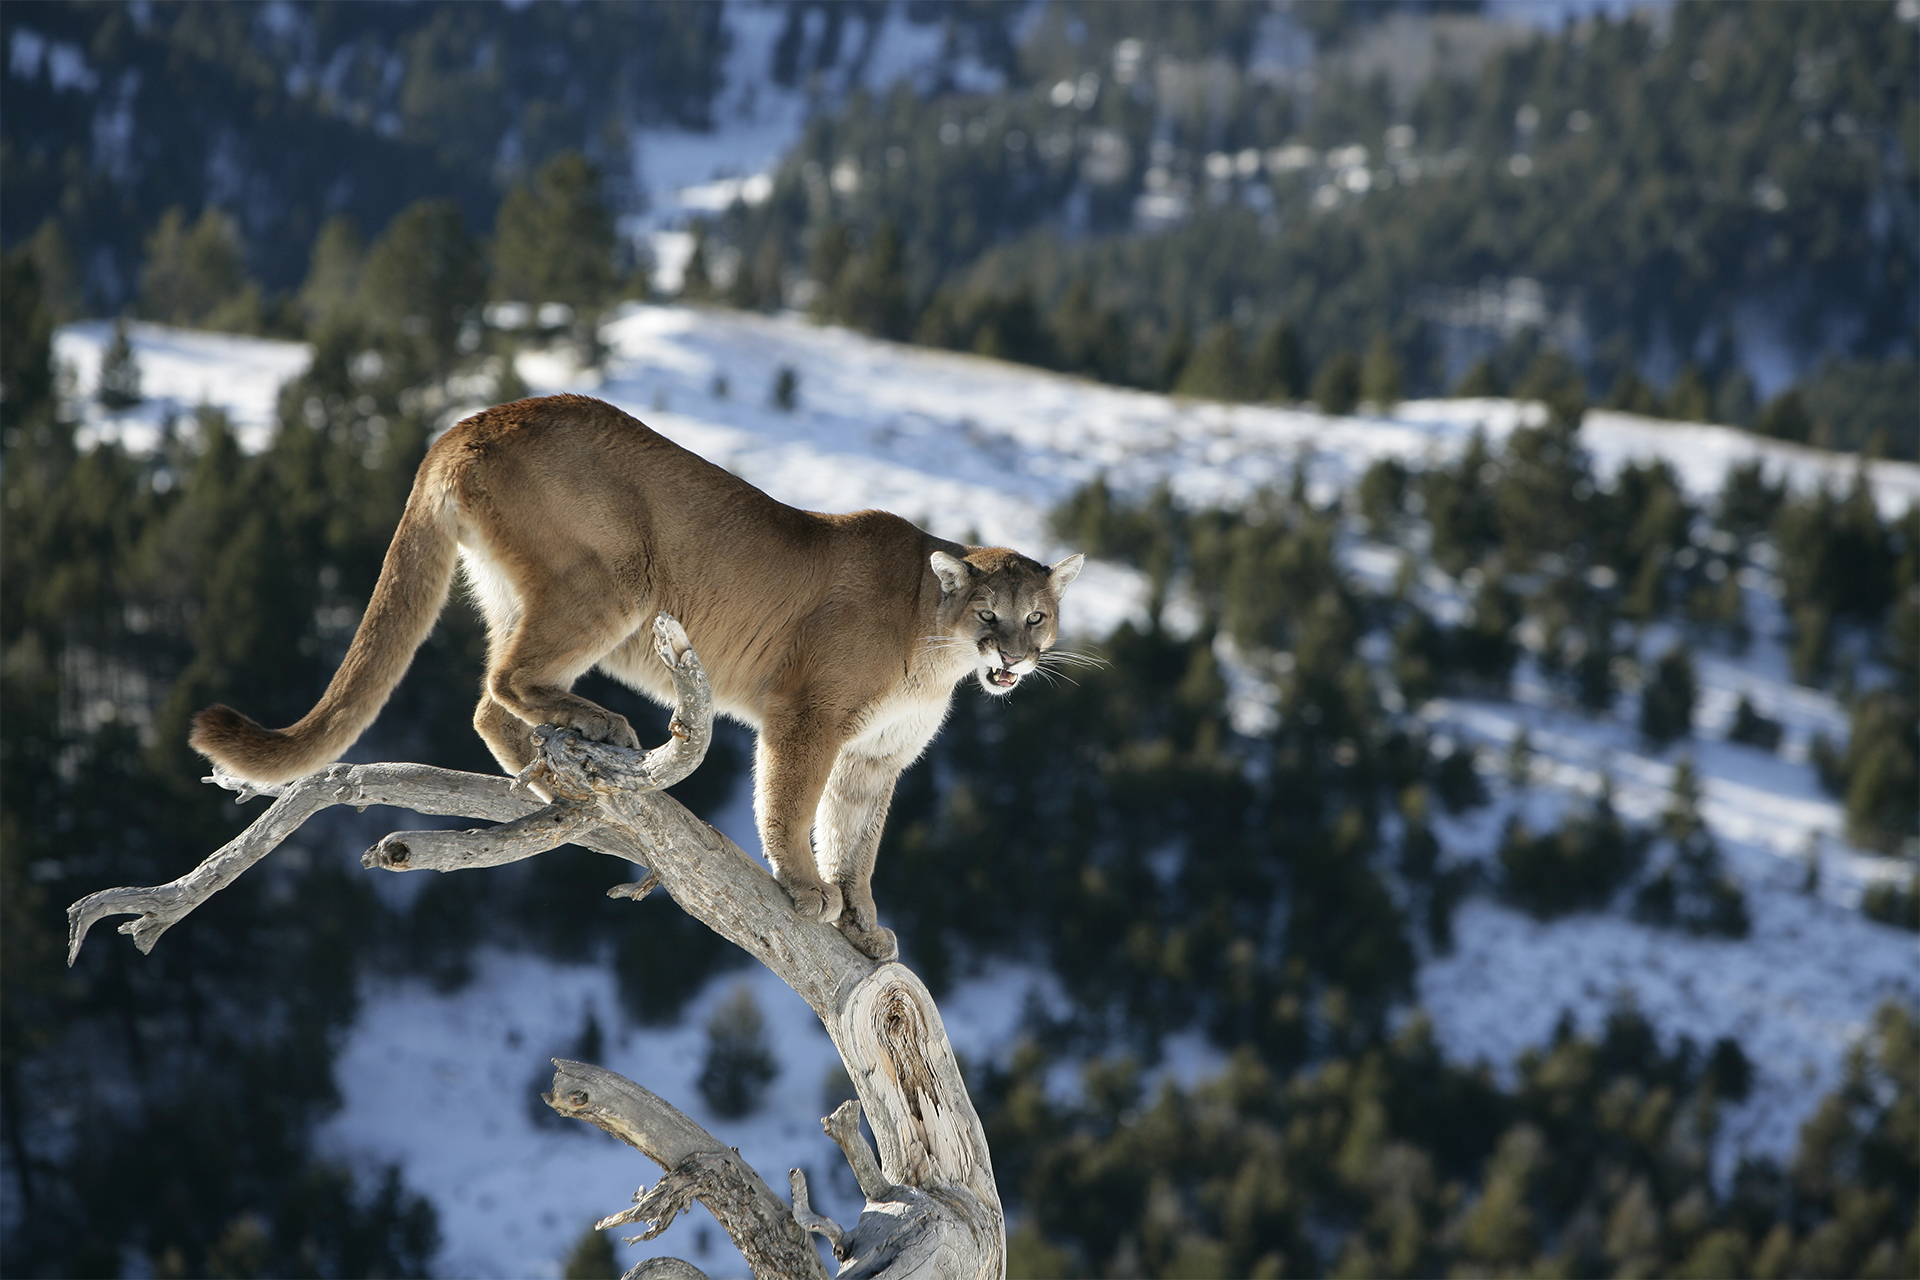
[877,942]
[820,902]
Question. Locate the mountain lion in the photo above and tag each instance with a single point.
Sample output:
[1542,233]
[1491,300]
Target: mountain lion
[838,637]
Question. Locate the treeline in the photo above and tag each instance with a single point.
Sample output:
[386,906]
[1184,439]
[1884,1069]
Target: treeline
[1656,185]
[406,310]
[283,116]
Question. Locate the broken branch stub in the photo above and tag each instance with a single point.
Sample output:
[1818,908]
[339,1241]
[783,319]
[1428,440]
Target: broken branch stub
[932,1208]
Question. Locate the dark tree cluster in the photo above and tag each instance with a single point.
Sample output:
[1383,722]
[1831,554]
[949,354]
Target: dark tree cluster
[258,123]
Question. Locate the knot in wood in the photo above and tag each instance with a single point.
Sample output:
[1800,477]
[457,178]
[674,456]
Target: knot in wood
[397,853]
[577,1098]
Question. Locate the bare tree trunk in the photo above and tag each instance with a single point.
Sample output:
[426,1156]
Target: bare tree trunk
[932,1207]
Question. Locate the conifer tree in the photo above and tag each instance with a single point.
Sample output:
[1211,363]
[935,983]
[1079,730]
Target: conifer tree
[1217,369]
[119,371]
[739,1063]
[1336,387]
[1666,704]
[424,281]
[1382,382]
[1692,891]
[330,293]
[554,239]
[1278,368]
[196,275]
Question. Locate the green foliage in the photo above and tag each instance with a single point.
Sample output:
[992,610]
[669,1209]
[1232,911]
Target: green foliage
[116,582]
[423,282]
[196,275]
[739,1064]
[1838,564]
[419,101]
[1861,406]
[1889,903]
[1666,704]
[1336,387]
[329,297]
[26,358]
[554,239]
[1382,380]
[592,1258]
[1278,369]
[1387,1161]
[1878,775]
[119,372]
[1690,198]
[1753,728]
[1692,890]
[786,389]
[1218,368]
[1578,867]
[1481,379]
[1866,407]
[1383,495]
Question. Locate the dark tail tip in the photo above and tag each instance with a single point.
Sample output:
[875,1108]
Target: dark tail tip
[231,740]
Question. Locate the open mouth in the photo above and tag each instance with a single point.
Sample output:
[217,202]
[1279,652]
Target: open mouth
[1001,678]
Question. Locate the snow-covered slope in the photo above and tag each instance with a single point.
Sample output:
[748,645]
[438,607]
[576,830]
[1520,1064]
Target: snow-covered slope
[975,448]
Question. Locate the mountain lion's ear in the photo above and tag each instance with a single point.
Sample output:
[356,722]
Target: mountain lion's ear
[953,572]
[1059,575]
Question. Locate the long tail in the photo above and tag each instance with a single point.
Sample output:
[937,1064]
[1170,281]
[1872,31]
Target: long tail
[413,588]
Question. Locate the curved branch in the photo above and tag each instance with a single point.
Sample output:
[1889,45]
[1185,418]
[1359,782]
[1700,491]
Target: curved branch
[699,1166]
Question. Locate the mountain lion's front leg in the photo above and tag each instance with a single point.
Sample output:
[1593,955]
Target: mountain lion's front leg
[790,766]
[852,815]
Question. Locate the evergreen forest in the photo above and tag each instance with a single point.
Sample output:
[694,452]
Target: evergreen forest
[1656,185]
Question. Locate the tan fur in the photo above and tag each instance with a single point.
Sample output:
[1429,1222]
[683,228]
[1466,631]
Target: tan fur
[838,637]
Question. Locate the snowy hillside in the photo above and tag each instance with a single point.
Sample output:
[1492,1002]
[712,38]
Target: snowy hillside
[981,450]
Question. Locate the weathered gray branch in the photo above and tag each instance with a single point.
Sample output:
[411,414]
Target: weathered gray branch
[932,1207]
[698,1166]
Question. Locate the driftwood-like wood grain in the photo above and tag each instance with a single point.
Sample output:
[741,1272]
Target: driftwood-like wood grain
[932,1207]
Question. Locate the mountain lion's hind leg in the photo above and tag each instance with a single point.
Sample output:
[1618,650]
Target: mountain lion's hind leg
[562,632]
[505,734]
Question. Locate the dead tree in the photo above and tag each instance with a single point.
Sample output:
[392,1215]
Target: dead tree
[932,1209]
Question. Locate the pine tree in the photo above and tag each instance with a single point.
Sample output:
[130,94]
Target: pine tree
[1666,704]
[739,1063]
[1693,890]
[554,239]
[423,284]
[329,295]
[119,372]
[196,276]
[1217,370]
[1382,382]
[1336,387]
[1278,368]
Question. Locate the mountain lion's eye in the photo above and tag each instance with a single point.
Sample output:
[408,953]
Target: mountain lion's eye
[1033,619]
[988,616]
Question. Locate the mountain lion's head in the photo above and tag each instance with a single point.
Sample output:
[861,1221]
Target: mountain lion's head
[1005,606]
